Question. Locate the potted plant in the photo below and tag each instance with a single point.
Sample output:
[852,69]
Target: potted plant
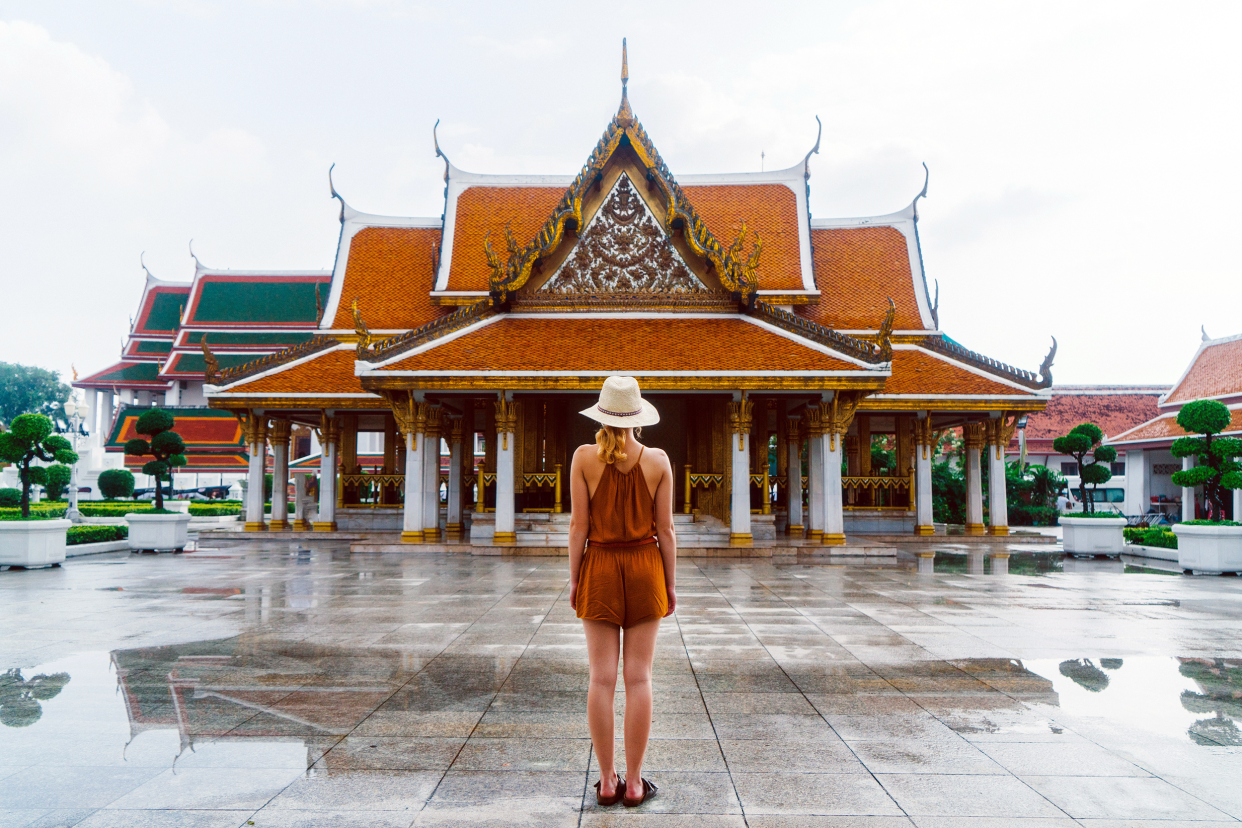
[159,528]
[1209,545]
[25,542]
[1090,533]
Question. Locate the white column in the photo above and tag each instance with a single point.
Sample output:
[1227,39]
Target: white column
[739,457]
[300,503]
[453,520]
[173,395]
[834,513]
[974,480]
[1237,504]
[1188,492]
[1137,499]
[280,476]
[924,523]
[998,500]
[327,483]
[127,396]
[793,483]
[257,441]
[431,476]
[412,526]
[815,474]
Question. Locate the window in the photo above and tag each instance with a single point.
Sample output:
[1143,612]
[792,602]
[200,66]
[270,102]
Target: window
[1107,495]
[1118,468]
[1069,469]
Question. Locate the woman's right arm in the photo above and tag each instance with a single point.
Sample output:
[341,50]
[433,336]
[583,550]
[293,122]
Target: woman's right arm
[579,523]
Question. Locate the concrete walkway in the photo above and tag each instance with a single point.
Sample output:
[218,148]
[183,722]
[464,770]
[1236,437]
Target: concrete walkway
[269,686]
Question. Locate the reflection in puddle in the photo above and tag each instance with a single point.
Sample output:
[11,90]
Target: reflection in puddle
[1187,698]
[20,697]
[988,562]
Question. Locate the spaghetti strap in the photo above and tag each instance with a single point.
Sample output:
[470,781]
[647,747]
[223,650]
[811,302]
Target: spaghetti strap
[640,455]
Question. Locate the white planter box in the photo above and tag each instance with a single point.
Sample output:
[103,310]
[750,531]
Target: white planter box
[1093,536]
[1209,548]
[34,544]
[158,532]
[182,506]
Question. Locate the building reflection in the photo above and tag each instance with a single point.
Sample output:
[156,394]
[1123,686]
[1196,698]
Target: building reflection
[1220,683]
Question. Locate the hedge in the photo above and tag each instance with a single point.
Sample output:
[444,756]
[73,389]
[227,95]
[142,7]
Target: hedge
[1161,538]
[96,534]
[1109,514]
[1032,516]
[214,509]
[111,508]
[38,511]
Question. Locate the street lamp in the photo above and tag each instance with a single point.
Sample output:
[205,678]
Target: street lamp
[1022,443]
[77,415]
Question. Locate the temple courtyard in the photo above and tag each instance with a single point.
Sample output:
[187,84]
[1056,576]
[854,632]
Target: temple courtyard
[299,684]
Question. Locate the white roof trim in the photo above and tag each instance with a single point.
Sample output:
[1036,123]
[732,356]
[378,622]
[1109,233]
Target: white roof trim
[427,346]
[1203,346]
[1029,392]
[605,373]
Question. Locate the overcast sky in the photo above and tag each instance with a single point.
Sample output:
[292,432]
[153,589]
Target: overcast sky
[1084,157]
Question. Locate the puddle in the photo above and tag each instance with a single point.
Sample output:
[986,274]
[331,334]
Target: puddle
[1198,700]
[981,562]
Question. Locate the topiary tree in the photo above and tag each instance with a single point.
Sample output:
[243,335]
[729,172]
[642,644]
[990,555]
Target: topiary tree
[10,497]
[30,438]
[56,480]
[116,483]
[1083,440]
[166,447]
[1216,469]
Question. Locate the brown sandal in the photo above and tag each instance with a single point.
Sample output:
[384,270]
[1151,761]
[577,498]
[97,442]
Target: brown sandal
[616,795]
[649,792]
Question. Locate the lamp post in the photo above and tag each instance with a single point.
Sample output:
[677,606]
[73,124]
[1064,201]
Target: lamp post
[77,415]
[1022,443]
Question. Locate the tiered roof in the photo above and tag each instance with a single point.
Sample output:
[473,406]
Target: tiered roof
[1116,409]
[214,440]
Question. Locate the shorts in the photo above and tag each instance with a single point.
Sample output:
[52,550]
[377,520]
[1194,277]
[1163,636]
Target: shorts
[622,585]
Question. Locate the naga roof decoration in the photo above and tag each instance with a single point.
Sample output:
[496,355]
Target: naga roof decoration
[458,319]
[269,361]
[943,345]
[733,265]
[849,345]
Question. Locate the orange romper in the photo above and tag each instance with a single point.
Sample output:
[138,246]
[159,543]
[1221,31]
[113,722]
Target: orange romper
[622,576]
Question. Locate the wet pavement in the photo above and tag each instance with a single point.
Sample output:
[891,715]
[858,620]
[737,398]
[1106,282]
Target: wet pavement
[261,685]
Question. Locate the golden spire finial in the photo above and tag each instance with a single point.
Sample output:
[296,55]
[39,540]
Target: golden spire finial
[625,116]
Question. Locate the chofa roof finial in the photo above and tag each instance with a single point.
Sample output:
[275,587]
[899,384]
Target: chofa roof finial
[624,114]
[1203,330]
[335,194]
[142,261]
[197,264]
[439,152]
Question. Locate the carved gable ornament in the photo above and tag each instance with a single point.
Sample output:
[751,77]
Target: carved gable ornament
[623,250]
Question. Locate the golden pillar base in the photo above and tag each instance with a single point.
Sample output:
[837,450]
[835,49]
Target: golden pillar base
[254,526]
[794,530]
[998,530]
[453,529]
[1000,556]
[324,526]
[832,539]
[924,531]
[278,526]
[815,535]
[412,537]
[926,554]
[741,538]
[301,526]
[431,535]
[504,537]
[976,529]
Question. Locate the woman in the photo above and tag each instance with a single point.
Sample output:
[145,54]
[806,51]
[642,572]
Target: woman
[623,504]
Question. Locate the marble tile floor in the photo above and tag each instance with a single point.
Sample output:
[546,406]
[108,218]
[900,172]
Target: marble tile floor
[269,685]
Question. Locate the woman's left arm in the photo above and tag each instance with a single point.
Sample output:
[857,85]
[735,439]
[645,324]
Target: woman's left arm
[664,530]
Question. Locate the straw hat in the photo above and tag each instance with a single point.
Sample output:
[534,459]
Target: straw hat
[621,405]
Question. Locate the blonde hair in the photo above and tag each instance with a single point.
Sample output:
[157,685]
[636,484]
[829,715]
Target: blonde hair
[610,443]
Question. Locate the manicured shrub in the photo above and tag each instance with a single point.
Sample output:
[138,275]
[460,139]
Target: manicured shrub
[116,483]
[10,497]
[215,509]
[166,446]
[105,509]
[36,511]
[56,480]
[1082,440]
[1154,536]
[96,534]
[1216,469]
[30,438]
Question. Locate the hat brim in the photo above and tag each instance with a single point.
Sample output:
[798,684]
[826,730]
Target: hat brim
[646,416]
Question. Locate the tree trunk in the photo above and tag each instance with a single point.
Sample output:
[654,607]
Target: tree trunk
[24,475]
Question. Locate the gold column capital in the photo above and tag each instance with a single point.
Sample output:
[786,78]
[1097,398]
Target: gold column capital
[255,427]
[281,430]
[506,416]
[432,420]
[972,433]
[813,421]
[924,435]
[793,430]
[838,414]
[740,414]
[329,430]
[455,429]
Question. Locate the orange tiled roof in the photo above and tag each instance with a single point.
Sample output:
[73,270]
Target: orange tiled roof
[1113,413]
[857,269]
[332,372]
[769,209]
[915,372]
[390,273]
[636,345]
[1216,372]
[481,210]
[1165,427]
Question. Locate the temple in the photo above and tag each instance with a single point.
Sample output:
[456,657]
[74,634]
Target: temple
[780,349]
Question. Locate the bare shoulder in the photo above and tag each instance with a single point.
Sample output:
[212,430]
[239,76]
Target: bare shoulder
[659,455]
[585,454]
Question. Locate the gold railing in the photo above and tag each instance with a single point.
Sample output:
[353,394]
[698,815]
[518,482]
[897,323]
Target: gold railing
[700,481]
[552,479]
[371,486]
[485,479]
[764,482]
[879,487]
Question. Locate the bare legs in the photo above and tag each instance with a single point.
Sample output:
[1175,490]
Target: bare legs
[603,651]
